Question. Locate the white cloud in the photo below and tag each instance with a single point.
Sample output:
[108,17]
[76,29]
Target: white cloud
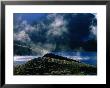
[95,14]
[58,26]
[80,58]
[51,16]
[57,23]
[21,36]
[93,30]
[21,30]
[29,28]
[21,33]
[19,18]
[24,23]
[24,58]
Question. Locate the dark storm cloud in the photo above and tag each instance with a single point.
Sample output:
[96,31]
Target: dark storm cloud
[58,31]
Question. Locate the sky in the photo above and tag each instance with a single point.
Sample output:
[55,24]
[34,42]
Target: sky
[57,31]
[29,17]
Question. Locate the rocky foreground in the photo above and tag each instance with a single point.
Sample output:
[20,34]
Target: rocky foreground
[51,64]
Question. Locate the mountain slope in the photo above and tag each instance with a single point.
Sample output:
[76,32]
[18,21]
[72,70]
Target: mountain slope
[51,64]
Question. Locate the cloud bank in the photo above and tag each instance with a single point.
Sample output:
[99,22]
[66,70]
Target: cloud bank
[57,31]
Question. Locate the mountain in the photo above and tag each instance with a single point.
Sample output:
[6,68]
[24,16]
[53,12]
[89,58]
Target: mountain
[23,48]
[57,57]
[51,64]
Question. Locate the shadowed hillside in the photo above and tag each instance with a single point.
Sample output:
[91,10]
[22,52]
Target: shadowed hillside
[51,64]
